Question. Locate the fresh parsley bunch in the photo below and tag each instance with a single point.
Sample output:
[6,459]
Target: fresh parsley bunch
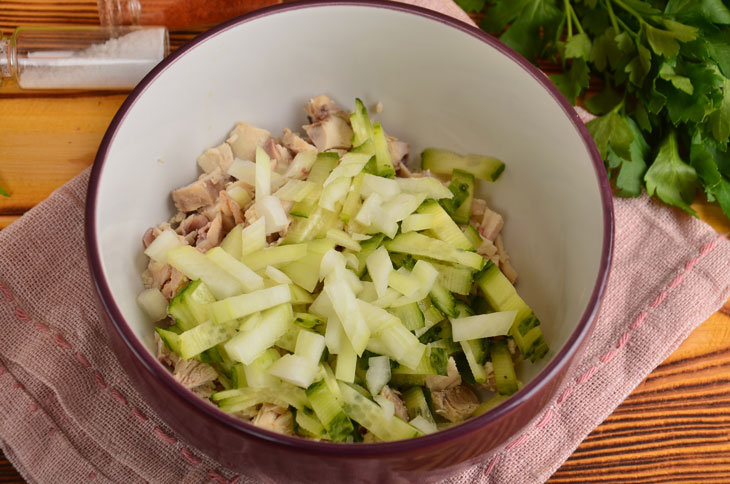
[664,112]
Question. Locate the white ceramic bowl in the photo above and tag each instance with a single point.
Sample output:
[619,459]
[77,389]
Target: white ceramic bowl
[442,84]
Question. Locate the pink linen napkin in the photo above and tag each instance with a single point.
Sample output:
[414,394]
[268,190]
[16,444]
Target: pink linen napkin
[68,412]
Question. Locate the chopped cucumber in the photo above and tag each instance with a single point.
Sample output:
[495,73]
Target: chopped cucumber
[474,352]
[455,277]
[369,414]
[443,300]
[170,339]
[190,306]
[194,265]
[504,369]
[301,164]
[310,346]
[444,227]
[383,161]
[244,304]
[418,244]
[275,256]
[410,315]
[248,278]
[295,190]
[417,222]
[482,325]
[164,242]
[153,303]
[416,404]
[430,186]
[362,129]
[473,235]
[233,242]
[378,374]
[352,203]
[247,346]
[305,271]
[295,369]
[462,186]
[329,411]
[310,424]
[205,336]
[263,173]
[443,162]
[343,239]
[253,237]
[257,375]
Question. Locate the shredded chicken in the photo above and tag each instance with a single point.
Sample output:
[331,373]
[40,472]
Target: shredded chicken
[437,383]
[156,274]
[504,262]
[275,418]
[230,211]
[295,143]
[211,235]
[330,132]
[491,383]
[478,206]
[399,151]
[220,156]
[164,355]
[245,138]
[320,107]
[200,193]
[278,153]
[192,224]
[491,225]
[455,404]
[248,413]
[150,235]
[176,282]
[487,249]
[400,407]
[193,374]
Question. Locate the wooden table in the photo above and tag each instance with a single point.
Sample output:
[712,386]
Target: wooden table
[675,427]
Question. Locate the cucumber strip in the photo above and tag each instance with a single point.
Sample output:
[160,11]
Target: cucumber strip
[462,186]
[194,265]
[367,147]
[352,203]
[329,411]
[383,161]
[346,362]
[325,163]
[444,227]
[247,346]
[350,165]
[257,374]
[314,227]
[378,319]
[170,338]
[409,314]
[482,325]
[334,335]
[502,296]
[164,242]
[263,173]
[295,369]
[279,278]
[367,247]
[423,425]
[442,162]
[443,300]
[240,195]
[153,303]
[431,316]
[368,414]
[386,405]
[331,381]
[334,193]
[310,346]
[253,237]
[295,190]
[369,209]
[310,424]
[379,267]
[417,222]
[308,321]
[449,346]
[249,322]
[362,129]
[404,282]
[242,305]
[434,361]
[301,164]
[391,337]
[430,186]
[472,351]
[473,235]
[232,243]
[416,404]
[248,278]
[299,295]
[504,369]
[205,336]
[190,306]
[385,187]
[273,256]
[343,239]
[487,405]
[346,307]
[305,272]
[273,213]
[378,373]
[456,278]
[418,244]
[244,170]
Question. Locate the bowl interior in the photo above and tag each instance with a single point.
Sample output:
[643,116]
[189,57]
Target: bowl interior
[439,86]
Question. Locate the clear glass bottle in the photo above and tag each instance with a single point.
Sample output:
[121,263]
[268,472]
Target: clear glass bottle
[175,14]
[65,57]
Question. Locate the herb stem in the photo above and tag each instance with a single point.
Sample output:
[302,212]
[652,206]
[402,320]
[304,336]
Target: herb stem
[568,17]
[627,28]
[577,21]
[612,16]
[633,12]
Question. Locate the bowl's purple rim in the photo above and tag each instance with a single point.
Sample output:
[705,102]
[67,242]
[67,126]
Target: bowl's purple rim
[557,363]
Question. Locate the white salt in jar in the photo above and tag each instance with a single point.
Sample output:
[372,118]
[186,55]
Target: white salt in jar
[81,57]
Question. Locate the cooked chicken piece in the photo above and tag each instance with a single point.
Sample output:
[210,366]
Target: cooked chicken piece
[404,172]
[219,157]
[437,383]
[295,142]
[177,219]
[164,355]
[156,274]
[399,151]
[192,223]
[504,262]
[230,211]
[150,235]
[478,206]
[204,391]
[514,351]
[248,413]
[275,418]
[370,438]
[455,404]
[211,235]
[331,132]
[176,282]
[320,107]
[491,225]
[245,138]
[251,215]
[192,373]
[487,248]
[400,407]
[200,193]
[491,383]
[280,156]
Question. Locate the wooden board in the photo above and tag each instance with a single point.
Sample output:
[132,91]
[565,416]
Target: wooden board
[675,427]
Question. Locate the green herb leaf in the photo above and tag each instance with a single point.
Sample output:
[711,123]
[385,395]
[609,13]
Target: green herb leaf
[719,120]
[670,178]
[578,47]
[471,5]
[719,49]
[613,129]
[499,15]
[632,170]
[605,50]
[639,66]
[641,7]
[666,72]
[711,11]
[525,33]
[573,82]
[604,101]
[4,192]
[707,91]
[666,42]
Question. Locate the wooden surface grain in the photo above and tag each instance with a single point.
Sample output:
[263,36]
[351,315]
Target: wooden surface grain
[675,426]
